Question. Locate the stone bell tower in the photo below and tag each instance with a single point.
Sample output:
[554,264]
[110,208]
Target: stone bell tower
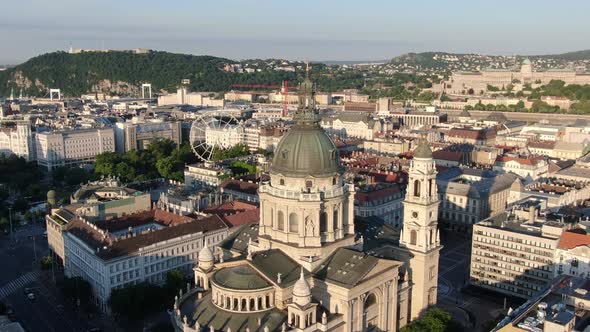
[420,236]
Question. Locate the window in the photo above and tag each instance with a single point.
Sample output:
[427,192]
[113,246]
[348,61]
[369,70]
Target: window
[413,237]
[323,222]
[335,219]
[417,188]
[281,221]
[308,184]
[282,182]
[293,223]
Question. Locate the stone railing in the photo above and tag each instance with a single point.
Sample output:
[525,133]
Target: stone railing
[304,196]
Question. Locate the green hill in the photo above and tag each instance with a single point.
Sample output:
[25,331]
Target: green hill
[571,56]
[122,73]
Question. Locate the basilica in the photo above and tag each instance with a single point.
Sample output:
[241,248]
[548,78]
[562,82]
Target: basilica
[310,264]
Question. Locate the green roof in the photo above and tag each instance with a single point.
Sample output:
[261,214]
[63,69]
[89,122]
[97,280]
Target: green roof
[239,239]
[272,262]
[207,314]
[239,277]
[346,267]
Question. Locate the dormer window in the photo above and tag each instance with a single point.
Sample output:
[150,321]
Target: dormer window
[282,182]
[308,184]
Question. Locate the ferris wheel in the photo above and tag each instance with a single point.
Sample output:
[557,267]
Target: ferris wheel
[210,130]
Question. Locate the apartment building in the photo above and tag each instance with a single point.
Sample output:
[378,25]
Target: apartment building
[513,252]
[225,137]
[72,147]
[136,248]
[137,136]
[470,195]
[184,97]
[558,192]
[18,140]
[95,201]
[561,306]
[573,254]
[384,201]
[529,168]
[203,175]
[353,124]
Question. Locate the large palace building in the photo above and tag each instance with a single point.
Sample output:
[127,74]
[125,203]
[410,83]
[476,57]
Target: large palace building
[463,82]
[309,265]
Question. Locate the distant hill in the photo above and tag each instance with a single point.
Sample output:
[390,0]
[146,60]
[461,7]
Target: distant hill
[459,61]
[571,56]
[122,73]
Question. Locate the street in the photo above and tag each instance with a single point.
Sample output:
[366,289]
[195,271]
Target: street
[48,311]
[475,305]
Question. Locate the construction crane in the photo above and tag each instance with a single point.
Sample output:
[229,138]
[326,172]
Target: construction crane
[283,87]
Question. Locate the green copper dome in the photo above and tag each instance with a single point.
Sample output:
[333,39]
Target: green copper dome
[423,151]
[306,151]
[239,277]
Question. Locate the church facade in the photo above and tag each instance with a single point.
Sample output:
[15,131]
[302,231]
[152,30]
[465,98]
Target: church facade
[308,265]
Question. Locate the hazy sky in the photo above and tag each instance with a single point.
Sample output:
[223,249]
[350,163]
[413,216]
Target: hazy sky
[302,29]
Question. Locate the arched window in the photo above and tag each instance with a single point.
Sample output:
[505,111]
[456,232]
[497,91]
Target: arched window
[430,192]
[293,223]
[252,304]
[334,181]
[413,237]
[308,184]
[417,188]
[281,221]
[282,182]
[335,219]
[370,301]
[244,304]
[323,222]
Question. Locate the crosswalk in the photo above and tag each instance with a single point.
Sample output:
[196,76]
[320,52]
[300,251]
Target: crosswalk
[18,283]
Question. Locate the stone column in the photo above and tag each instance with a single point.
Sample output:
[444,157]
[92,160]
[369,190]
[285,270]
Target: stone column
[350,315]
[330,223]
[360,311]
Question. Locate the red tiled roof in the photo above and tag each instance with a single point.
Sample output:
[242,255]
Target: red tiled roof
[447,155]
[542,144]
[159,216]
[230,208]
[523,160]
[570,240]
[376,194]
[109,248]
[242,218]
[472,133]
[241,186]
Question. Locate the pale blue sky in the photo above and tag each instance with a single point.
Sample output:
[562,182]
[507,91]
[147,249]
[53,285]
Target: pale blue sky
[303,29]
